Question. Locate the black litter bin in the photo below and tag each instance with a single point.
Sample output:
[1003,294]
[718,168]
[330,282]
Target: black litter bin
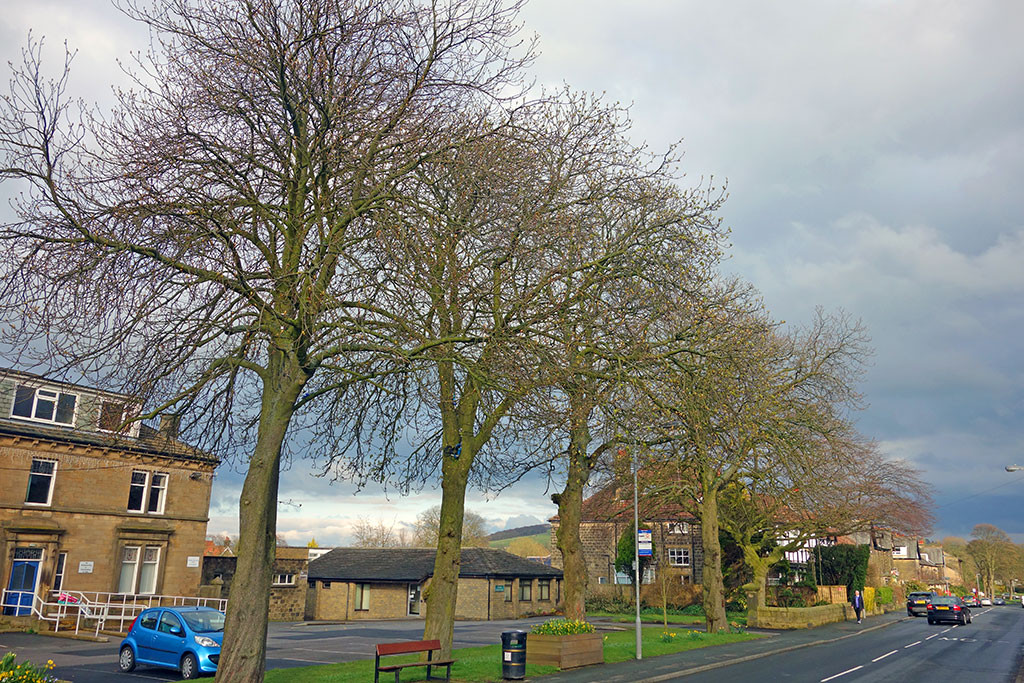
[513,655]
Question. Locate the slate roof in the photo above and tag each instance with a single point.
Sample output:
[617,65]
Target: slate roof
[149,441]
[381,565]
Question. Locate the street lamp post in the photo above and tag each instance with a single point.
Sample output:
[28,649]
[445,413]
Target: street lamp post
[636,557]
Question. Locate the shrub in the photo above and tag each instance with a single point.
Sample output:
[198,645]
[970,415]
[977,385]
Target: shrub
[562,627]
[884,595]
[26,672]
[608,603]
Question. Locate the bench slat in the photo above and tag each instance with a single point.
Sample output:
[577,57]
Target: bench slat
[408,647]
[395,667]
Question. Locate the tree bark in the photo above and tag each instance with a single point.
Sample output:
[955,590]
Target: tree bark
[714,586]
[243,655]
[570,513]
[443,590]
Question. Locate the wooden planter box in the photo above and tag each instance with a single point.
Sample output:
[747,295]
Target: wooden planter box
[565,652]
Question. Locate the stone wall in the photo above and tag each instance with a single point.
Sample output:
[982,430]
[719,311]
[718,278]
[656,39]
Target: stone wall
[287,601]
[797,617]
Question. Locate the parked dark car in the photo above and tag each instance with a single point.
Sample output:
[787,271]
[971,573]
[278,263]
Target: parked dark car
[917,603]
[948,608]
[186,639]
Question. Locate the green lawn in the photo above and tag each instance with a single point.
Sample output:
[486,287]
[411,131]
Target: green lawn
[649,617]
[481,664]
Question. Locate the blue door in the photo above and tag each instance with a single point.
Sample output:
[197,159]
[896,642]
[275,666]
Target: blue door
[21,588]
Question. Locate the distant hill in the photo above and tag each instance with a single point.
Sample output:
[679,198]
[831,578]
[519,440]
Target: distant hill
[531,530]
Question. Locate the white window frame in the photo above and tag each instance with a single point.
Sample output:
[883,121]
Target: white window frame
[901,551]
[51,475]
[54,395]
[148,487]
[678,557]
[284,579]
[137,565]
[59,571]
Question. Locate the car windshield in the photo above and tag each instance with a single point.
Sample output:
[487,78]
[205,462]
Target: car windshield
[945,601]
[919,596]
[205,621]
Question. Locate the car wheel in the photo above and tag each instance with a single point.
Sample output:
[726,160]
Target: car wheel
[126,660]
[931,621]
[189,666]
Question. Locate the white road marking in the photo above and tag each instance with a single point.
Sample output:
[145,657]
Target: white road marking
[877,659]
[934,635]
[848,671]
[918,642]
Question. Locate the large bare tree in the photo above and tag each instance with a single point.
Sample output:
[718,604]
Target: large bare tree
[742,394]
[210,243]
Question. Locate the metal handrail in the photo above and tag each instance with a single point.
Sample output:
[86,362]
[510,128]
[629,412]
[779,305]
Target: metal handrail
[101,606]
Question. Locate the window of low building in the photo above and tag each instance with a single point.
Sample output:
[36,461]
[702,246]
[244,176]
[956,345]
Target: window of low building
[525,590]
[508,591]
[362,603]
[44,405]
[40,482]
[284,579]
[679,527]
[544,589]
[679,557]
[147,492]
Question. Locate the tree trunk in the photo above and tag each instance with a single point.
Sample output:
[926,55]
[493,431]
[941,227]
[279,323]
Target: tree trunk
[567,536]
[442,592]
[714,586]
[243,655]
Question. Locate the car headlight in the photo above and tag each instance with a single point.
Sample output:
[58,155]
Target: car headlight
[203,641]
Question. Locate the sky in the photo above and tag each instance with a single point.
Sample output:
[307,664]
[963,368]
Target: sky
[874,155]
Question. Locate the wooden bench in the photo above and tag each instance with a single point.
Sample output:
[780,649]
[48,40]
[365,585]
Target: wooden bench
[428,646]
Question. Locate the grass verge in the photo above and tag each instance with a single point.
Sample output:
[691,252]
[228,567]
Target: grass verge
[736,618]
[483,664]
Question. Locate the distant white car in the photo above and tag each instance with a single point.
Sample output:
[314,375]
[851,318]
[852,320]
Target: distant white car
[986,602]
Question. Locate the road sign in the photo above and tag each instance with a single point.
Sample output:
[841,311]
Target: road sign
[643,542]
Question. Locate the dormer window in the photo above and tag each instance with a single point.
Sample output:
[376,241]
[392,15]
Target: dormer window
[44,405]
[113,416]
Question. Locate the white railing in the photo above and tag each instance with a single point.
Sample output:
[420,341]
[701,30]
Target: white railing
[104,610]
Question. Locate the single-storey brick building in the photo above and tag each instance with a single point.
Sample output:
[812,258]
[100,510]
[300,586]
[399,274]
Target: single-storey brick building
[389,583]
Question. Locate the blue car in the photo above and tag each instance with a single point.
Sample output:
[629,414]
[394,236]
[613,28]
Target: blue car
[183,638]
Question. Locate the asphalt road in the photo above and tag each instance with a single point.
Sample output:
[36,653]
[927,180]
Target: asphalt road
[989,649]
[288,645]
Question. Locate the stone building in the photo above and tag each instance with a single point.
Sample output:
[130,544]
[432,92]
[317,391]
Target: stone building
[608,514]
[92,502]
[349,584]
[287,591]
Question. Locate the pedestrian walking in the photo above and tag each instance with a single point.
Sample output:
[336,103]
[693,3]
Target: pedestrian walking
[858,605]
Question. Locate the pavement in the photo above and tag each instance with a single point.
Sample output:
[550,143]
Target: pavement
[666,667]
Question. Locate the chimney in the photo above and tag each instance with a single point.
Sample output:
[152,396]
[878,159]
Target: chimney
[169,425]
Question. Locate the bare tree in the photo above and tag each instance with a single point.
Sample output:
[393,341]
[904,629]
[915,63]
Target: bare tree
[992,550]
[743,396]
[428,529]
[206,244]
[377,534]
